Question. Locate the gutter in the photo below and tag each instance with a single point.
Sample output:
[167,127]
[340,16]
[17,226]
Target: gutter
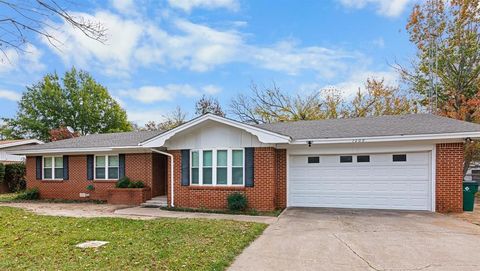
[443,136]
[172,181]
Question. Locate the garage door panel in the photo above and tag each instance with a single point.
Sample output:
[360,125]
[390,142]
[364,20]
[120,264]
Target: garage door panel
[378,184]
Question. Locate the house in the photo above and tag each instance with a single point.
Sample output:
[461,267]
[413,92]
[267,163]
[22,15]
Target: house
[410,162]
[8,144]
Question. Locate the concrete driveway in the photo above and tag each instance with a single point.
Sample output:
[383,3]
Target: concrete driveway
[334,239]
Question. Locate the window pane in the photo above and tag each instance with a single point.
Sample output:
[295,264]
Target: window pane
[58,173]
[399,158]
[99,173]
[237,175]
[113,161]
[346,159]
[195,176]
[195,159]
[113,173]
[313,160]
[47,173]
[47,161]
[207,175]
[100,161]
[222,158]
[222,175]
[58,161]
[207,158]
[237,158]
[363,158]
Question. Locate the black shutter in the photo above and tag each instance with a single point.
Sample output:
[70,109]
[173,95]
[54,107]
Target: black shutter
[121,166]
[38,167]
[249,166]
[185,167]
[90,167]
[65,167]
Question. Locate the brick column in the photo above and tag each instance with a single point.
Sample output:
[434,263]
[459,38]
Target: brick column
[281,194]
[449,177]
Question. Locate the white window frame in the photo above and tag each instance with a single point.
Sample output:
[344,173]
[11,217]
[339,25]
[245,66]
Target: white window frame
[214,166]
[52,168]
[107,162]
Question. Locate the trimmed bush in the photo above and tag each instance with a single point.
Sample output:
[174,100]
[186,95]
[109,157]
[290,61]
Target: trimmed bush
[237,202]
[90,187]
[2,173]
[29,194]
[126,183]
[123,182]
[137,184]
[15,177]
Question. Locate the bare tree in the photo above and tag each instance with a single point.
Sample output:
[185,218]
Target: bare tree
[171,120]
[271,104]
[208,105]
[19,19]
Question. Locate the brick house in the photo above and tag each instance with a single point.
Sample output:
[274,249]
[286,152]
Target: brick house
[411,162]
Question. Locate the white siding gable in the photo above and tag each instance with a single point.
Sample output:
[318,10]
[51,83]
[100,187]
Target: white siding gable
[211,134]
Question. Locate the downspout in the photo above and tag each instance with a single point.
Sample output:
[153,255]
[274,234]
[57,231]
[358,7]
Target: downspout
[171,174]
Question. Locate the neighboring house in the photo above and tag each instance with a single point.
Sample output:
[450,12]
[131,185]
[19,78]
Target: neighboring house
[5,145]
[411,162]
[473,172]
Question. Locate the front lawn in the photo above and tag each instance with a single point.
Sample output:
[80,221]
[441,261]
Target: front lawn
[35,242]
[8,197]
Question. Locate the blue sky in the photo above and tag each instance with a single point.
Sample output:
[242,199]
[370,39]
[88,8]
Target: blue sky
[160,54]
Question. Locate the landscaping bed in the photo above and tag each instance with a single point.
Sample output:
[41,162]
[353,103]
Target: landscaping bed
[35,242]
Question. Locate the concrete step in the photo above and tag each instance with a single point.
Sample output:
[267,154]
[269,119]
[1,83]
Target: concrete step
[155,202]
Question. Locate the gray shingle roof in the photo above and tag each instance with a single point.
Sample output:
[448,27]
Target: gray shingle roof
[414,124]
[97,140]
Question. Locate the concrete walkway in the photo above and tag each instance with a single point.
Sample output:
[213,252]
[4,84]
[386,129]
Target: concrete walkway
[156,212]
[107,210]
[334,239]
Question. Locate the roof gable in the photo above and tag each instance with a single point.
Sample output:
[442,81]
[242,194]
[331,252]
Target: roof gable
[263,135]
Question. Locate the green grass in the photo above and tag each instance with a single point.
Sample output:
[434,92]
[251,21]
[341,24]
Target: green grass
[8,197]
[34,242]
[228,212]
[13,197]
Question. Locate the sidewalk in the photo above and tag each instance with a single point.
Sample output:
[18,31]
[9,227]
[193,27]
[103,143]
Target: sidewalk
[107,210]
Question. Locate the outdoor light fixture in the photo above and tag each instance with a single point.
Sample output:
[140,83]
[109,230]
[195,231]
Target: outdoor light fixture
[309,143]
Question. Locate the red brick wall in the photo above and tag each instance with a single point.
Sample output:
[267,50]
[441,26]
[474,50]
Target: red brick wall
[282,179]
[263,196]
[449,177]
[138,167]
[128,196]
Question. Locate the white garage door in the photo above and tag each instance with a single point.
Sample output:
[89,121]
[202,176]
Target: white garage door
[373,181]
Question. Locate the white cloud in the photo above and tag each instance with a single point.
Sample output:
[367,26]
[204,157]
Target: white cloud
[124,6]
[114,57]
[28,61]
[200,48]
[357,81]
[10,95]
[389,8]
[167,93]
[142,116]
[134,43]
[211,89]
[188,5]
[288,57]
